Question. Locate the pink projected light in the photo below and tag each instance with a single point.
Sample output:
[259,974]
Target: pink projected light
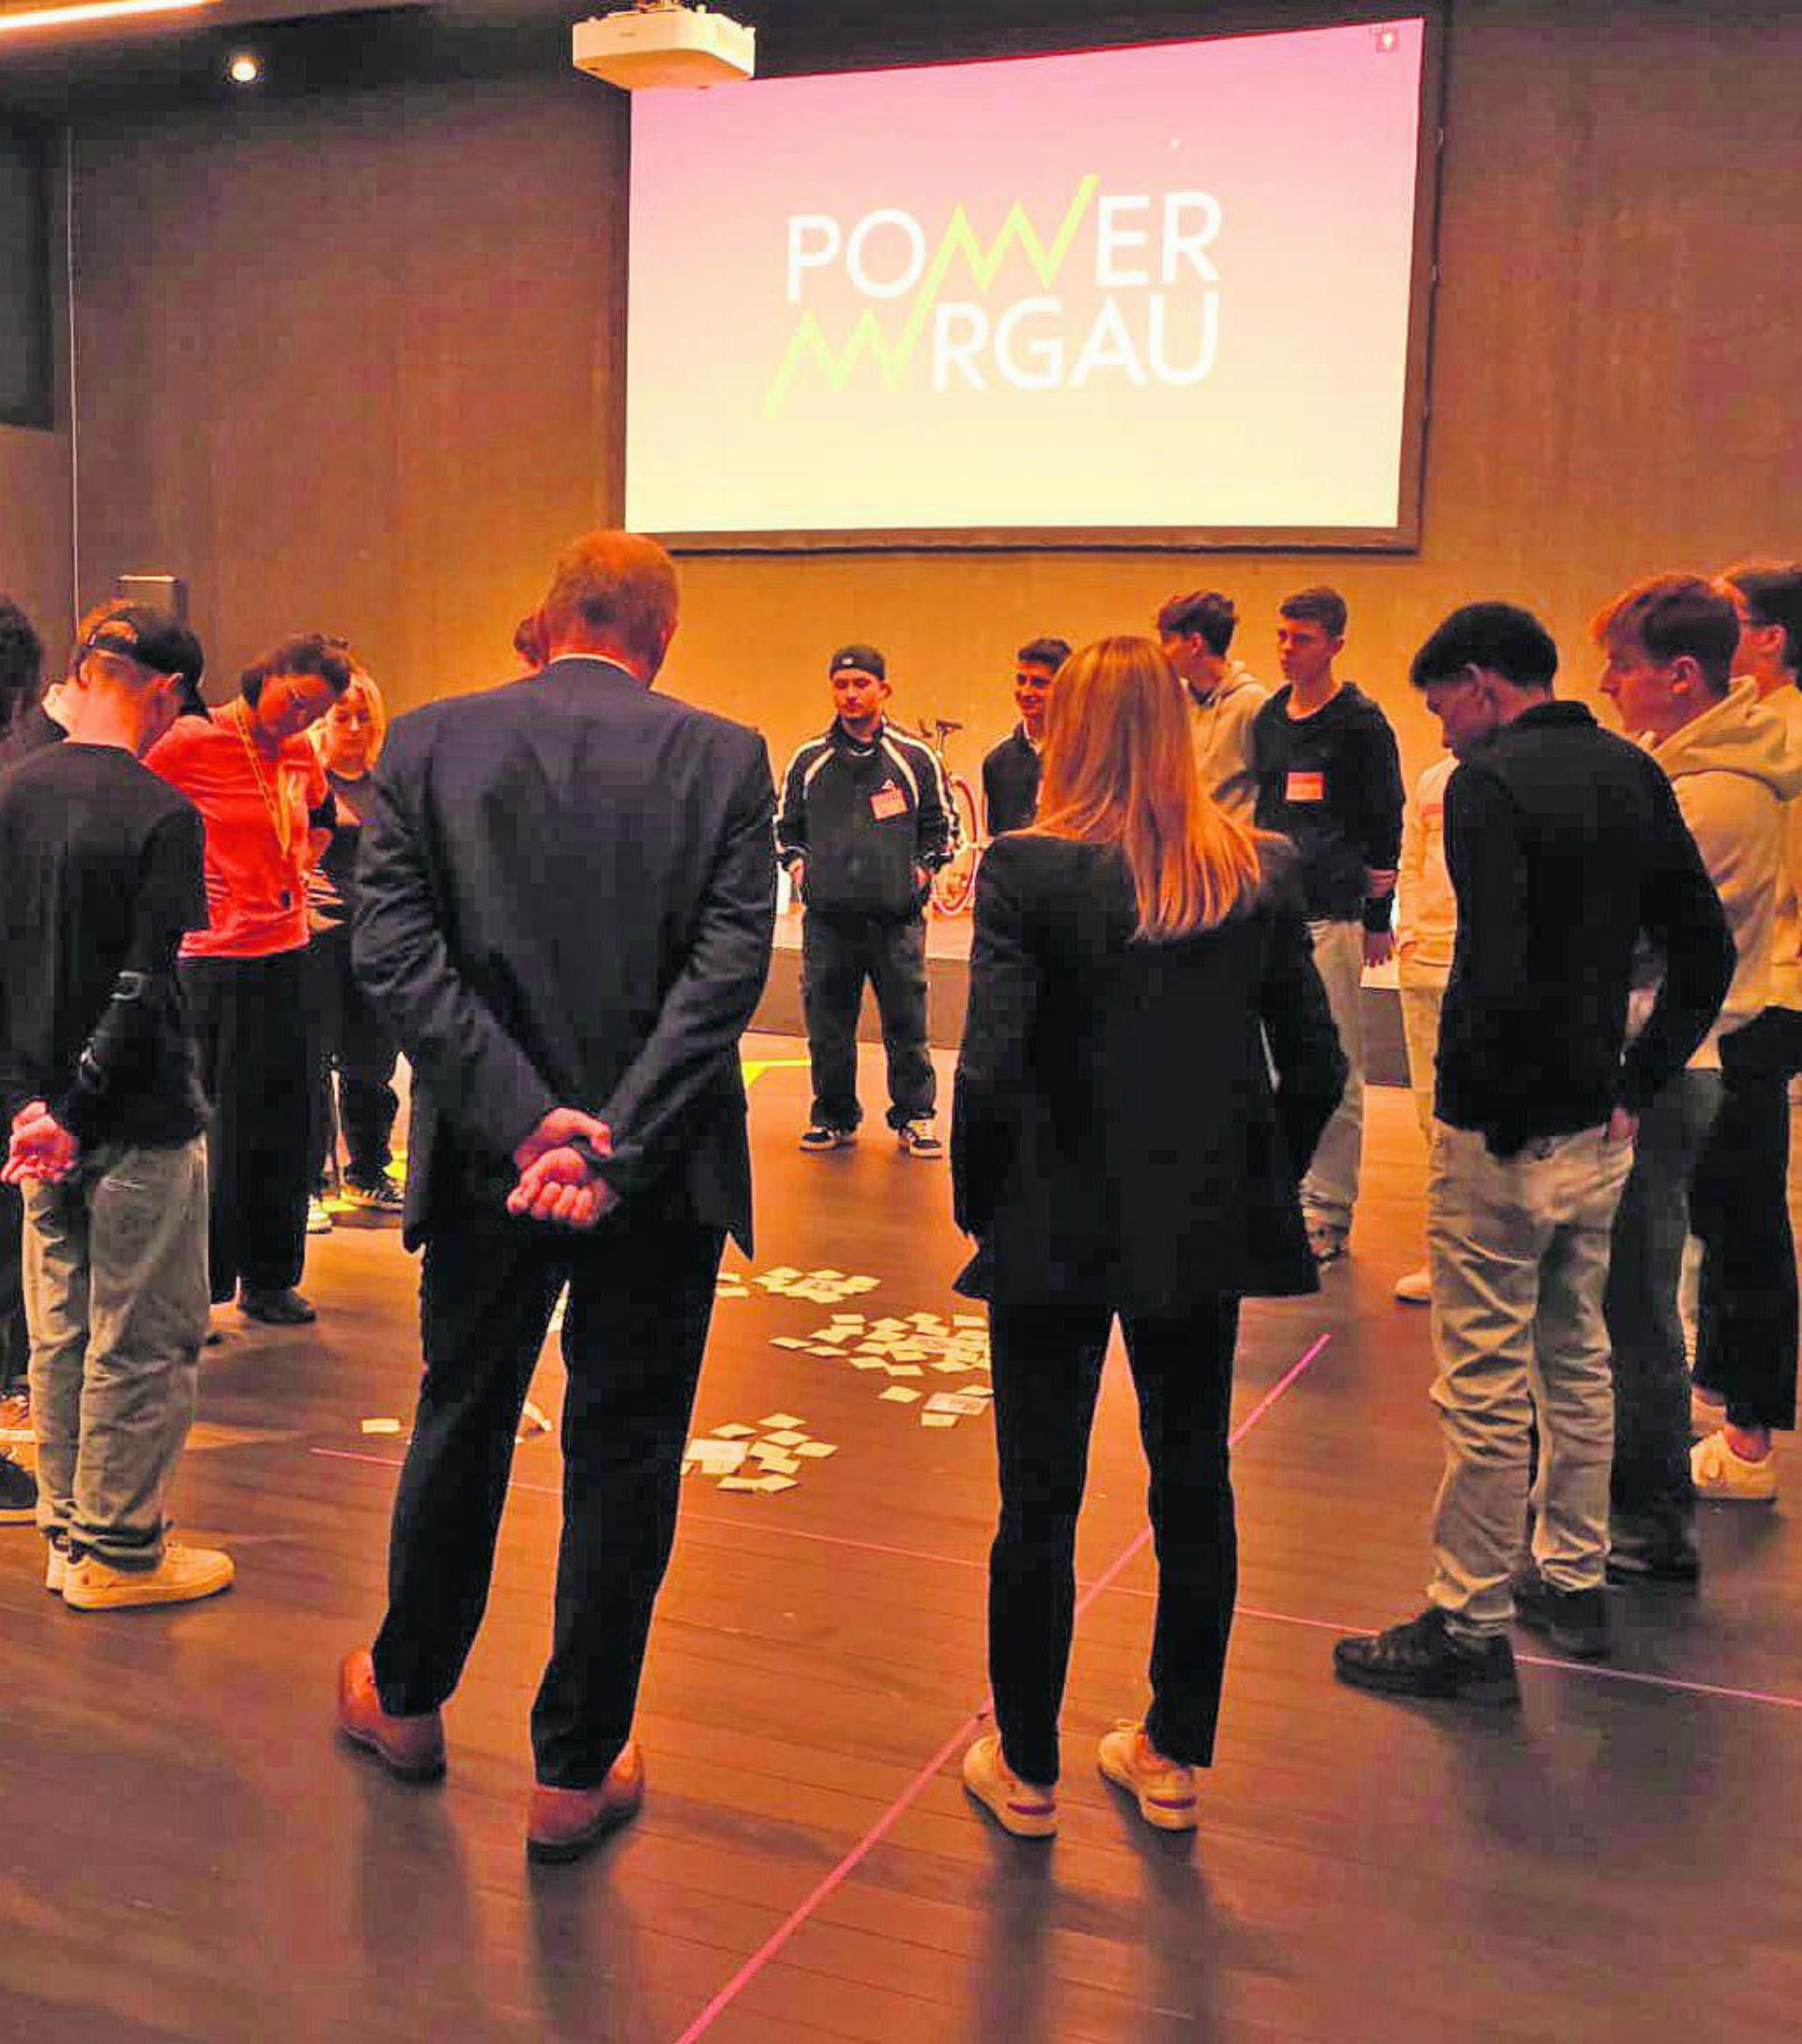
[1133,291]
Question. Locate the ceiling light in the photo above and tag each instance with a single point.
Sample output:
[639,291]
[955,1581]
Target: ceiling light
[244,70]
[92,10]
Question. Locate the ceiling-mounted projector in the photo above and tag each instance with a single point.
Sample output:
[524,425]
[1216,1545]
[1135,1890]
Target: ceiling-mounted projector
[663,43]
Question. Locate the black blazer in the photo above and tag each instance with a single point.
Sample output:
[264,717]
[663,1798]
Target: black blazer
[1116,1138]
[566,892]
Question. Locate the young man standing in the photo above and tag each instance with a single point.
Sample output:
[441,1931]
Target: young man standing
[1010,772]
[864,821]
[104,872]
[1329,778]
[1746,1338]
[1196,631]
[1565,847]
[1669,645]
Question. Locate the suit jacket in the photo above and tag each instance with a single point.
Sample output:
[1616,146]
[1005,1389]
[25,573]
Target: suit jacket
[566,897]
[1115,1137]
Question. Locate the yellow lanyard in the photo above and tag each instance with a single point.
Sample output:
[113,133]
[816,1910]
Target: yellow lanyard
[280,816]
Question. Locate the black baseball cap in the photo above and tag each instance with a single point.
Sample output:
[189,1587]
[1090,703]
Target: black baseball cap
[156,639]
[864,659]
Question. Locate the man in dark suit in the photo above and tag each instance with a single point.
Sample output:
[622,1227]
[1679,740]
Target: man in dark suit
[567,897]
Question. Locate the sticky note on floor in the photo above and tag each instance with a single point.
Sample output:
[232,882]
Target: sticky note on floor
[777,1419]
[818,1450]
[938,1419]
[900,1395]
[773,1483]
[381,1426]
[733,1432]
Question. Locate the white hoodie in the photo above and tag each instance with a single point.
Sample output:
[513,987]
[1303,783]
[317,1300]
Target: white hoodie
[1734,771]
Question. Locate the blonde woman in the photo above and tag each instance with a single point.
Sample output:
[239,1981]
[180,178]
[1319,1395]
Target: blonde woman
[353,1052]
[1119,1151]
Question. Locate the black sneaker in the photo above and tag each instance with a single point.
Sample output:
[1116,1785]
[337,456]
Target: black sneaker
[18,1494]
[381,1194]
[823,1135]
[284,1308]
[1423,1658]
[1575,1621]
[1668,1554]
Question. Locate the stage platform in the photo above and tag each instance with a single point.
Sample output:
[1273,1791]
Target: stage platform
[188,1854]
[948,994]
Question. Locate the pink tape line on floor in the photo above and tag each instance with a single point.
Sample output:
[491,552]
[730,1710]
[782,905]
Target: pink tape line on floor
[905,1801]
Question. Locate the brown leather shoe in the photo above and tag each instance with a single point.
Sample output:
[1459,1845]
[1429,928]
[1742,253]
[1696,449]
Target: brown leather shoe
[564,1822]
[411,1747]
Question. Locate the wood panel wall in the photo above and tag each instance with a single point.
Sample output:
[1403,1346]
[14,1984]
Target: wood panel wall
[35,501]
[350,362]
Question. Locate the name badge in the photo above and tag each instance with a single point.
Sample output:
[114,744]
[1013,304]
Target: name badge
[1305,787]
[888,802]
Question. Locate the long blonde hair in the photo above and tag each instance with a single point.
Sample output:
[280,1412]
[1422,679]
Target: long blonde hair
[1120,770]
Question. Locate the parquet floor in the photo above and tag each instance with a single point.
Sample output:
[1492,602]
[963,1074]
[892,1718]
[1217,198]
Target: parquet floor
[186,1853]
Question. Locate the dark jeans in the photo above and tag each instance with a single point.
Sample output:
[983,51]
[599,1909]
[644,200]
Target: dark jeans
[641,1293]
[350,1039]
[1650,1492]
[1048,1361]
[250,1023]
[837,956]
[1746,1339]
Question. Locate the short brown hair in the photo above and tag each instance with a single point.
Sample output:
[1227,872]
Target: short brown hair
[1319,605]
[1204,612]
[1672,616]
[1772,593]
[617,587]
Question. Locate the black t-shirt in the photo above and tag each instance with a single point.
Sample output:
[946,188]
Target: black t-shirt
[100,876]
[1011,776]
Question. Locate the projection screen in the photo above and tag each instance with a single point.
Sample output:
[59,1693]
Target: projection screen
[1165,295]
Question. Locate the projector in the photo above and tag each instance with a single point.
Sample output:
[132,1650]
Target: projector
[663,43]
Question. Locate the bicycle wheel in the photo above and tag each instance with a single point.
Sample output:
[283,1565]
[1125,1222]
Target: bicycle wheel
[956,881]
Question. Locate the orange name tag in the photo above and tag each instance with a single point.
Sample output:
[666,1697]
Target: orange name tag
[888,802]
[1305,787]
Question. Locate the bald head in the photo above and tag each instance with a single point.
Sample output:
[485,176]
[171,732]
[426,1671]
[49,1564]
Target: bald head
[614,594]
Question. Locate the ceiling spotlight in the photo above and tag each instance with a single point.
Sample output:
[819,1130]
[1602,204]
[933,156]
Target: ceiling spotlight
[243,70]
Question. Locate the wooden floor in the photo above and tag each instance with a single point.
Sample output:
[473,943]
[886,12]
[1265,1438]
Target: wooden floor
[186,1853]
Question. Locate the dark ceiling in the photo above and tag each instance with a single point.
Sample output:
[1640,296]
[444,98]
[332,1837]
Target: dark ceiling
[314,46]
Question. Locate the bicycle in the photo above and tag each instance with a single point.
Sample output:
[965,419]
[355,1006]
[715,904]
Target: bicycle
[955,882]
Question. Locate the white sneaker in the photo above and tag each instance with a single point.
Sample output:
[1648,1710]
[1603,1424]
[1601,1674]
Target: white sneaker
[1165,1788]
[1724,1478]
[1415,1289]
[183,1576]
[55,1566]
[1707,1414]
[319,1221]
[1023,1808]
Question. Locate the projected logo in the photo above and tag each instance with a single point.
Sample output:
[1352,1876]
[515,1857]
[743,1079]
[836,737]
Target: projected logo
[1127,290]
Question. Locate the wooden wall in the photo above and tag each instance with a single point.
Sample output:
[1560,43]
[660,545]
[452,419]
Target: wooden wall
[35,501]
[350,362]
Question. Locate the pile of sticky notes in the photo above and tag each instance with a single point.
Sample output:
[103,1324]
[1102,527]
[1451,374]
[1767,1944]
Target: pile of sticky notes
[818,1288]
[772,1456]
[905,1350]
